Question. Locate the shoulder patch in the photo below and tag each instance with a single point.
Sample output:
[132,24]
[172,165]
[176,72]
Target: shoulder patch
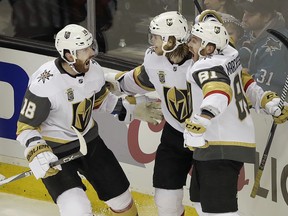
[44,76]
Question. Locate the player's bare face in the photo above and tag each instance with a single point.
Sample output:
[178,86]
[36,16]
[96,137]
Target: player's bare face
[194,45]
[156,42]
[254,21]
[84,56]
[233,32]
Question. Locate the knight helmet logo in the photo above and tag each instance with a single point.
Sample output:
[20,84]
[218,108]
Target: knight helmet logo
[67,35]
[217,29]
[169,22]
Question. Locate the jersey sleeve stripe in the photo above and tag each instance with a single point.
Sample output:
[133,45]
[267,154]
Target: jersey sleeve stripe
[217,88]
[246,79]
[141,79]
[100,97]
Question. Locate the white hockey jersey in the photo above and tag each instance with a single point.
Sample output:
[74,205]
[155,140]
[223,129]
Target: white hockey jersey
[55,101]
[158,74]
[217,84]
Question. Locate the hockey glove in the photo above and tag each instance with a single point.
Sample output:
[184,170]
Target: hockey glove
[39,156]
[143,108]
[283,117]
[112,82]
[270,102]
[194,132]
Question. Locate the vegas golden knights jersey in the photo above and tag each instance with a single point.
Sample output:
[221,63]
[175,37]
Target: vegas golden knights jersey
[168,80]
[55,101]
[216,83]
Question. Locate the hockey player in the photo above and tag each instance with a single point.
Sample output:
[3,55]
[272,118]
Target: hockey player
[63,93]
[221,130]
[268,63]
[164,71]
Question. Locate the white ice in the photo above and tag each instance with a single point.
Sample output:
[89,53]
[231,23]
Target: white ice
[14,205]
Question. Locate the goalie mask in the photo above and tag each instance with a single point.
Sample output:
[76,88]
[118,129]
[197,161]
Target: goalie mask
[167,24]
[211,32]
[72,38]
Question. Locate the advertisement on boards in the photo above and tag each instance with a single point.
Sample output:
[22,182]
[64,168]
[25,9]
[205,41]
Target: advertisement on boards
[135,145]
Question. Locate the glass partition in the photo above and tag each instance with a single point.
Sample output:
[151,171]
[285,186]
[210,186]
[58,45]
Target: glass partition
[121,26]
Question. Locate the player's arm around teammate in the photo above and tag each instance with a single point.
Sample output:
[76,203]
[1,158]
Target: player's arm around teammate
[220,119]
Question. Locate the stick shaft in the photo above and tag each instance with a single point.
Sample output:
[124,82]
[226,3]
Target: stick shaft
[53,164]
[82,151]
[198,6]
[258,176]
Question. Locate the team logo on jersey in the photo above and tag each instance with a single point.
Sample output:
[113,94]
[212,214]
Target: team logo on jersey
[161,75]
[271,45]
[82,113]
[70,94]
[177,102]
[44,76]
[169,22]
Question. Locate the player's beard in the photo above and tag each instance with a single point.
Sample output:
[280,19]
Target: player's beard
[82,67]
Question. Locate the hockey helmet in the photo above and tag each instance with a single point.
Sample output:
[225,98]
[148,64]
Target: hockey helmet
[170,23]
[72,38]
[211,32]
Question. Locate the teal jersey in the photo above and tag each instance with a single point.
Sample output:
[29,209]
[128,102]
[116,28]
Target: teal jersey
[269,59]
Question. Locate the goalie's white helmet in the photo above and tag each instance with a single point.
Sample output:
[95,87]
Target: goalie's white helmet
[170,23]
[72,38]
[211,32]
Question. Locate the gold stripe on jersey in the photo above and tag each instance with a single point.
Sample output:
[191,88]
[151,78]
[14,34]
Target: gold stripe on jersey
[56,140]
[100,97]
[22,126]
[141,78]
[217,87]
[246,79]
[118,75]
[232,143]
[62,141]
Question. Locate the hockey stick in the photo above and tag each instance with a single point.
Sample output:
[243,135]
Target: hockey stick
[258,176]
[82,151]
[198,6]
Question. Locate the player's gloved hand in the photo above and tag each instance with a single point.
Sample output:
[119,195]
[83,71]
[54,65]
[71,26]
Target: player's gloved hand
[283,117]
[208,15]
[112,82]
[194,132]
[39,156]
[270,102]
[143,108]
